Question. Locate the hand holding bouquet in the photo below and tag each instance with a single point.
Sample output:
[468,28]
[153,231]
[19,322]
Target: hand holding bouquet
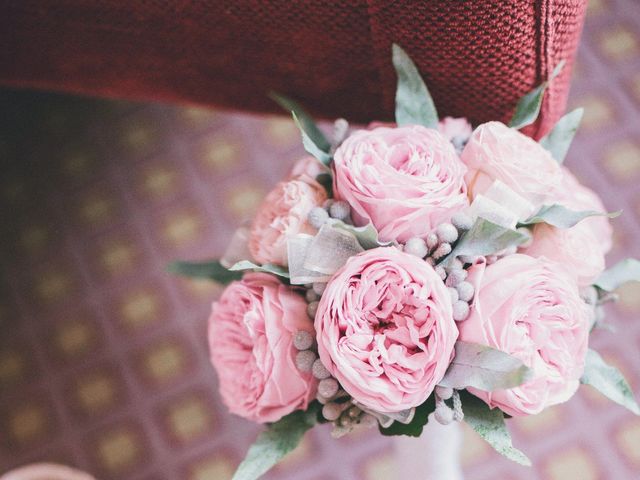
[414,272]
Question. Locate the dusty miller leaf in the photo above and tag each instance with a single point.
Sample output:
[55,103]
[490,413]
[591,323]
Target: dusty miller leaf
[310,145]
[558,140]
[274,443]
[266,268]
[489,424]
[414,105]
[414,428]
[484,368]
[609,381]
[367,235]
[306,121]
[528,107]
[212,270]
[559,216]
[622,272]
[486,238]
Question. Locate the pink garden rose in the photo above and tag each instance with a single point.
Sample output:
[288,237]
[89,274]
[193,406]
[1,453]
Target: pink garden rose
[282,214]
[452,128]
[581,249]
[497,152]
[405,180]
[530,308]
[572,194]
[46,471]
[576,248]
[385,329]
[251,331]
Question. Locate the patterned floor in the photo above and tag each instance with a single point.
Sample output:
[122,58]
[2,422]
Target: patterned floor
[103,362]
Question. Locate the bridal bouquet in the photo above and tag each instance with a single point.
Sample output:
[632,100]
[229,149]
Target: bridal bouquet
[413,272]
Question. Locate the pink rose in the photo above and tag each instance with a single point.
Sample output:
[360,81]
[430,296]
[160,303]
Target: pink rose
[530,308]
[385,329]
[307,168]
[404,180]
[576,248]
[572,194]
[46,471]
[497,152]
[251,331]
[283,213]
[458,128]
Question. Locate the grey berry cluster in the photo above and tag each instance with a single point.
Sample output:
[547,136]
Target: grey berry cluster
[337,209]
[445,414]
[438,245]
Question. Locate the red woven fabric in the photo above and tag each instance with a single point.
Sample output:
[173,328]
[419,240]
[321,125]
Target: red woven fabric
[478,56]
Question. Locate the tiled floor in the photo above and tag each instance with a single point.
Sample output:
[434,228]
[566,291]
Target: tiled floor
[103,362]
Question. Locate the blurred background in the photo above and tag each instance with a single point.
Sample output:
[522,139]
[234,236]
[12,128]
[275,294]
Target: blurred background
[103,357]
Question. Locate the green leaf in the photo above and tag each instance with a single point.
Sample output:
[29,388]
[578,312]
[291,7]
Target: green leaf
[266,268]
[485,238]
[367,235]
[326,180]
[274,443]
[308,125]
[414,428]
[310,145]
[558,140]
[489,424]
[528,107]
[622,272]
[212,270]
[414,104]
[561,217]
[609,381]
[484,368]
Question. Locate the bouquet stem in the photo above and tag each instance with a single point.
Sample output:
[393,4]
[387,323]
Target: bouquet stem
[435,455]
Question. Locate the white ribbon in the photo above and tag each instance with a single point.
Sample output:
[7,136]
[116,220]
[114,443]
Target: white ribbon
[316,259]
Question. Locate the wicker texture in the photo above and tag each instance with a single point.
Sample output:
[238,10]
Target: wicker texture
[478,56]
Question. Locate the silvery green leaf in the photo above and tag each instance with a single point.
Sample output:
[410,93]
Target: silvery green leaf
[414,105]
[562,217]
[489,424]
[486,238]
[212,270]
[310,145]
[622,272]
[367,235]
[558,140]
[609,381]
[528,107]
[484,368]
[306,121]
[266,268]
[274,443]
[413,428]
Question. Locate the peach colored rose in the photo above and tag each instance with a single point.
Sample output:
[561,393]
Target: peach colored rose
[497,152]
[452,128]
[283,213]
[404,180]
[385,329]
[530,308]
[251,331]
[307,168]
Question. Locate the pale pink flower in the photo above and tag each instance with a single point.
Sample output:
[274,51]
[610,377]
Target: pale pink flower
[251,332]
[530,308]
[385,329]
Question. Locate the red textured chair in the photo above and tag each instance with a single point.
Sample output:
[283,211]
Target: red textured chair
[478,56]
